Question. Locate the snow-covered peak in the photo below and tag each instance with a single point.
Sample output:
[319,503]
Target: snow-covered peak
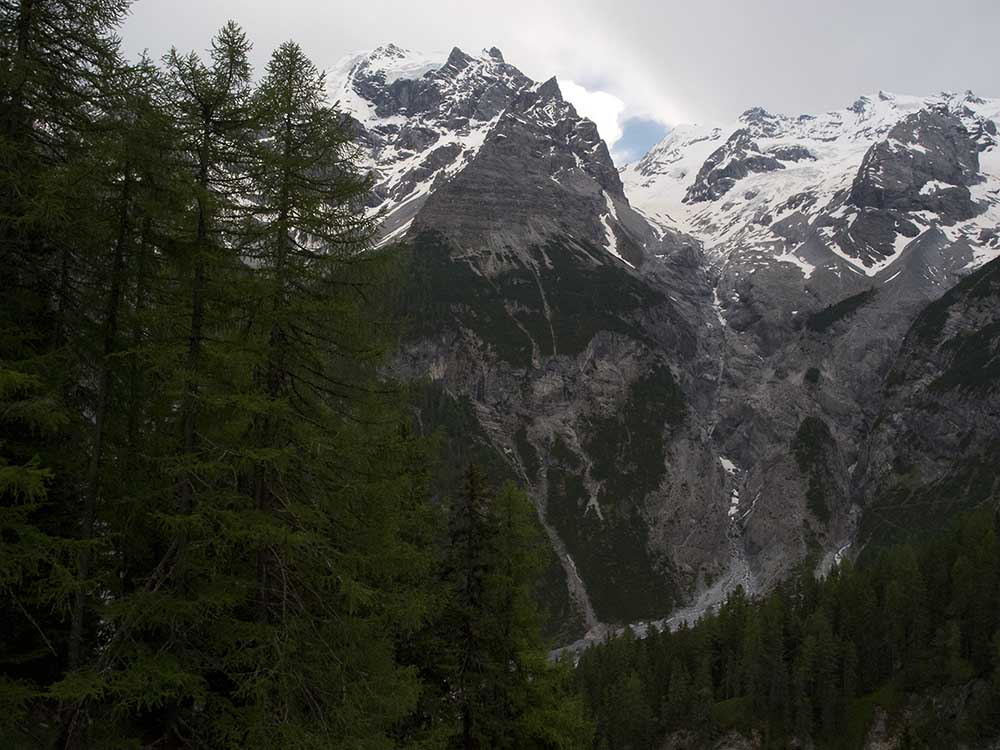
[389,61]
[765,185]
[391,81]
[494,53]
[658,181]
[424,118]
[350,76]
[395,62]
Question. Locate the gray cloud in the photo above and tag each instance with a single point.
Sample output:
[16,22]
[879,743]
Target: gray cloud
[667,60]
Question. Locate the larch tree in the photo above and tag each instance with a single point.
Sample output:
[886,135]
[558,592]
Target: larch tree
[57,65]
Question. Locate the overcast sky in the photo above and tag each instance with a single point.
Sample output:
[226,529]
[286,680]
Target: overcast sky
[638,66]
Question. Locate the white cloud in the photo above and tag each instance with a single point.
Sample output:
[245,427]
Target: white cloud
[603,108]
[584,41]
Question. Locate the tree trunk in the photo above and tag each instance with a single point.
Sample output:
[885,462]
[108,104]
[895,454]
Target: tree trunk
[189,407]
[275,375]
[93,480]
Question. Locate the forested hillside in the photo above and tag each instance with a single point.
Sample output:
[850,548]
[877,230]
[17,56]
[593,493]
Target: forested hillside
[912,633]
[220,527]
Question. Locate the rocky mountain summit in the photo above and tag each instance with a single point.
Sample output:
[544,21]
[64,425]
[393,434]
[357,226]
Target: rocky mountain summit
[687,361]
[423,124]
[845,192]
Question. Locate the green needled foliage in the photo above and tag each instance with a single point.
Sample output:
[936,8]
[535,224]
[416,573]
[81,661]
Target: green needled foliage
[216,525]
[487,680]
[283,508]
[57,60]
[912,632]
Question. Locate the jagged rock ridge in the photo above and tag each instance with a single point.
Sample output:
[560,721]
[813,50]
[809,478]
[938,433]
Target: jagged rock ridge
[688,386]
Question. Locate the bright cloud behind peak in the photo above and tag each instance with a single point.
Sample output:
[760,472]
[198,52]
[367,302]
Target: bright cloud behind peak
[604,109]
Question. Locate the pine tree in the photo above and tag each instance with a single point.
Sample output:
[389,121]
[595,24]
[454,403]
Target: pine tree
[500,690]
[826,673]
[128,183]
[57,65]
[634,727]
[316,516]
[307,228]
[848,675]
[773,664]
[211,105]
[702,693]
[732,619]
[54,60]
[863,625]
[753,665]
[980,540]
[467,619]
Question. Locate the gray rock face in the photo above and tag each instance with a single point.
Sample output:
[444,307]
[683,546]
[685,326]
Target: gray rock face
[734,160]
[792,153]
[692,391]
[932,447]
[928,162]
[929,146]
[585,391]
[541,171]
[817,292]
[575,326]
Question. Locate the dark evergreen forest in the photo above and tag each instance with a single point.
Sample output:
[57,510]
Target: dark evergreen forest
[219,525]
[912,631]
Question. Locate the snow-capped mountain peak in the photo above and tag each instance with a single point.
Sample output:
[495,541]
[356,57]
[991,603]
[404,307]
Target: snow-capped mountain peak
[424,119]
[388,63]
[846,191]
